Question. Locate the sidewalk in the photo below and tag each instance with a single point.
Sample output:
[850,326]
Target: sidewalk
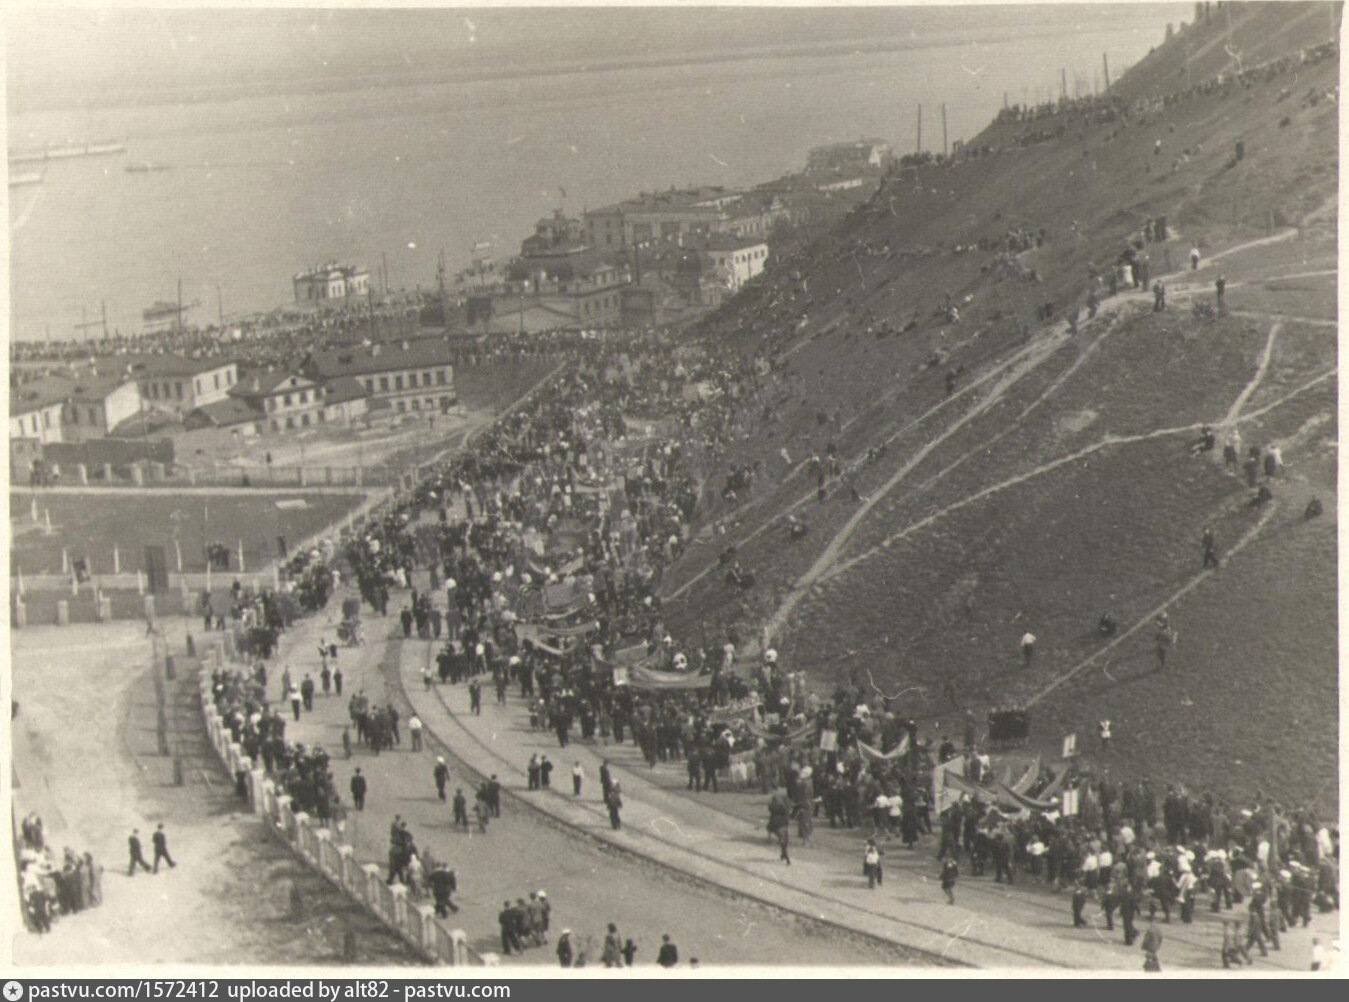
[721,838]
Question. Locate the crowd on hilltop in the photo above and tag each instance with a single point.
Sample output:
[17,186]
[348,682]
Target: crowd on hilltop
[272,338]
[1054,118]
[51,885]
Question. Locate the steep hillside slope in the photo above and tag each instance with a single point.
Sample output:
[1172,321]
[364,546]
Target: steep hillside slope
[1010,470]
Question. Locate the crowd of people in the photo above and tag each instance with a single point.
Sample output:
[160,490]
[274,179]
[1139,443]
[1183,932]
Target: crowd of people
[574,506]
[569,514]
[52,885]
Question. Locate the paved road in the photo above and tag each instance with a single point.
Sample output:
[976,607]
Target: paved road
[588,882]
[717,838]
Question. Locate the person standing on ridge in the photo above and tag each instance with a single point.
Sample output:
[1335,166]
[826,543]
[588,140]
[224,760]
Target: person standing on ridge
[1210,546]
[1027,647]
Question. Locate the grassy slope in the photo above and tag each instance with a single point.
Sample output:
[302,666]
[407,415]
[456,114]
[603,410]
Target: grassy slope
[1117,530]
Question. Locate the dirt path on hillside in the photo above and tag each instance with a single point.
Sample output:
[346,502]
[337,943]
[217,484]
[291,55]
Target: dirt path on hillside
[1151,616]
[1031,357]
[1053,464]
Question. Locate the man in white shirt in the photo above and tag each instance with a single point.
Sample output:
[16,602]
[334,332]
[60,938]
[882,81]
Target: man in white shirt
[1090,870]
[415,729]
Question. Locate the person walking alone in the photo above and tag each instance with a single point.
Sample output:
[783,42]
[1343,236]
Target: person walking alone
[358,788]
[1210,545]
[949,872]
[871,865]
[441,773]
[577,778]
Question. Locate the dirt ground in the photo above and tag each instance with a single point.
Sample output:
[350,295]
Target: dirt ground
[84,751]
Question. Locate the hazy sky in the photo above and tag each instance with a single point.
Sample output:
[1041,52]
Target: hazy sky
[74,56]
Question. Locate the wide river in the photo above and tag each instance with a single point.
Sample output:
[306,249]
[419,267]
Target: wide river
[259,188]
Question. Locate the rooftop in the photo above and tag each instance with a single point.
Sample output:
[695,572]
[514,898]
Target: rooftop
[224,413]
[173,365]
[39,393]
[384,356]
[342,389]
[262,382]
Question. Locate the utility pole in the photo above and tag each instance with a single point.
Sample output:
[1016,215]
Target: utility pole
[1105,61]
[943,128]
[220,304]
[1063,82]
[385,269]
[920,129]
[440,278]
[370,311]
[105,320]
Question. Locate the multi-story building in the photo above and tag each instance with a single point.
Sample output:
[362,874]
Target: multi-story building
[850,158]
[574,291]
[414,375]
[671,216]
[331,281]
[35,409]
[736,259]
[284,399]
[179,384]
[97,404]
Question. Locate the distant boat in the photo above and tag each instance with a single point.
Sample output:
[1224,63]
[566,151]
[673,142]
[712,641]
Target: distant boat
[31,177]
[145,167]
[64,152]
[162,312]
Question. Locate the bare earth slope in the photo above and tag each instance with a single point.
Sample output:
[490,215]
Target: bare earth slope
[1056,481]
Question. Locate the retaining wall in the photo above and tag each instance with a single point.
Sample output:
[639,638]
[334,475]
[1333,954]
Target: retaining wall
[326,850]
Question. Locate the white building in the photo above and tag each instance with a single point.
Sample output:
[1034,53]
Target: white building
[737,260]
[331,281]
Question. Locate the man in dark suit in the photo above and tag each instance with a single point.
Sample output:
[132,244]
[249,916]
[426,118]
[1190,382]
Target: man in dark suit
[606,781]
[358,788]
[137,857]
[442,777]
[669,953]
[161,844]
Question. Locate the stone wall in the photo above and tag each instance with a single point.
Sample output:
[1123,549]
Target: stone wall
[325,850]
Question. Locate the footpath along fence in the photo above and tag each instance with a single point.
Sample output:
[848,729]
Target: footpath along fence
[325,850]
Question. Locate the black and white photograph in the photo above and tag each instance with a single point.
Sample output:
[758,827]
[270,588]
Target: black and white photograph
[672,492]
